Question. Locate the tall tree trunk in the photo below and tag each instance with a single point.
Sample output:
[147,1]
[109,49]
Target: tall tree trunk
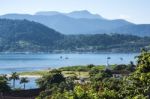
[24,86]
[14,83]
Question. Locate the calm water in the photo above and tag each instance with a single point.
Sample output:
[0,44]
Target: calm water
[29,85]
[29,62]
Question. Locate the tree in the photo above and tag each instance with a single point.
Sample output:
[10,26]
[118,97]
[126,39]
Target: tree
[143,65]
[23,81]
[55,85]
[4,84]
[93,72]
[79,92]
[131,67]
[109,94]
[14,77]
[53,77]
[90,66]
[108,58]
[103,86]
[137,85]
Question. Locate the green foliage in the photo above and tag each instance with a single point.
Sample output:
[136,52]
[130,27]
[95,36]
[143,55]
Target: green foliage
[144,62]
[54,77]
[23,35]
[104,86]
[130,68]
[103,43]
[38,73]
[54,82]
[109,94]
[100,75]
[4,84]
[82,68]
[14,76]
[138,84]
[24,80]
[79,92]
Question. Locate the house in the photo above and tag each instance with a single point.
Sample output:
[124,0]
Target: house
[120,73]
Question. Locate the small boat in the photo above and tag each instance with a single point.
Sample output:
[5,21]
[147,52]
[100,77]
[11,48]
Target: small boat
[121,58]
[66,58]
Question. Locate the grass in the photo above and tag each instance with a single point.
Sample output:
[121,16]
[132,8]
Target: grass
[65,73]
[35,73]
[76,73]
[79,71]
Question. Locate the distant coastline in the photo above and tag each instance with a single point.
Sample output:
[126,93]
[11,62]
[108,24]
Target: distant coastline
[70,52]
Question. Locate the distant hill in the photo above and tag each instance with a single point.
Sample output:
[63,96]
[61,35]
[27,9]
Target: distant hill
[75,14]
[140,30]
[104,43]
[77,22]
[23,35]
[48,13]
[29,36]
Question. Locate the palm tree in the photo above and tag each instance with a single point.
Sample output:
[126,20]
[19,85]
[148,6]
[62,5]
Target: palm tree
[5,77]
[14,77]
[107,67]
[23,81]
[4,87]
[108,58]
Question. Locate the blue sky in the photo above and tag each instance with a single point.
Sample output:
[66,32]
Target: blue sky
[137,11]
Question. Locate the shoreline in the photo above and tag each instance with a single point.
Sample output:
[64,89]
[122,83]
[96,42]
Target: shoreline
[31,76]
[72,52]
[28,76]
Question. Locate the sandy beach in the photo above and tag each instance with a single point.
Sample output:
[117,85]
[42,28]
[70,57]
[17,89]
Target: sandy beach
[28,76]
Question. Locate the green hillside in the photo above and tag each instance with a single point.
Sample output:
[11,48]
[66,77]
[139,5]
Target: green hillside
[29,36]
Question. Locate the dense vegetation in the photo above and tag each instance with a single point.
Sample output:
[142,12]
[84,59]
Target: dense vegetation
[102,85]
[27,36]
[23,35]
[103,43]
[4,84]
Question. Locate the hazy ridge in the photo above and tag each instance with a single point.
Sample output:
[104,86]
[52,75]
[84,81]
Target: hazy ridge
[83,22]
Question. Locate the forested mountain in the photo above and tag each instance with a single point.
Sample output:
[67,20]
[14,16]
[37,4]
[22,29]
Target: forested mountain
[140,30]
[23,35]
[104,43]
[83,22]
[78,22]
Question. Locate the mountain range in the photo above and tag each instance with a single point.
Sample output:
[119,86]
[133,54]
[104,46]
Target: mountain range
[83,22]
[30,36]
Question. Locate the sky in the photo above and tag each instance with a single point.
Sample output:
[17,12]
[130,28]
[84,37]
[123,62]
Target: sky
[136,11]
